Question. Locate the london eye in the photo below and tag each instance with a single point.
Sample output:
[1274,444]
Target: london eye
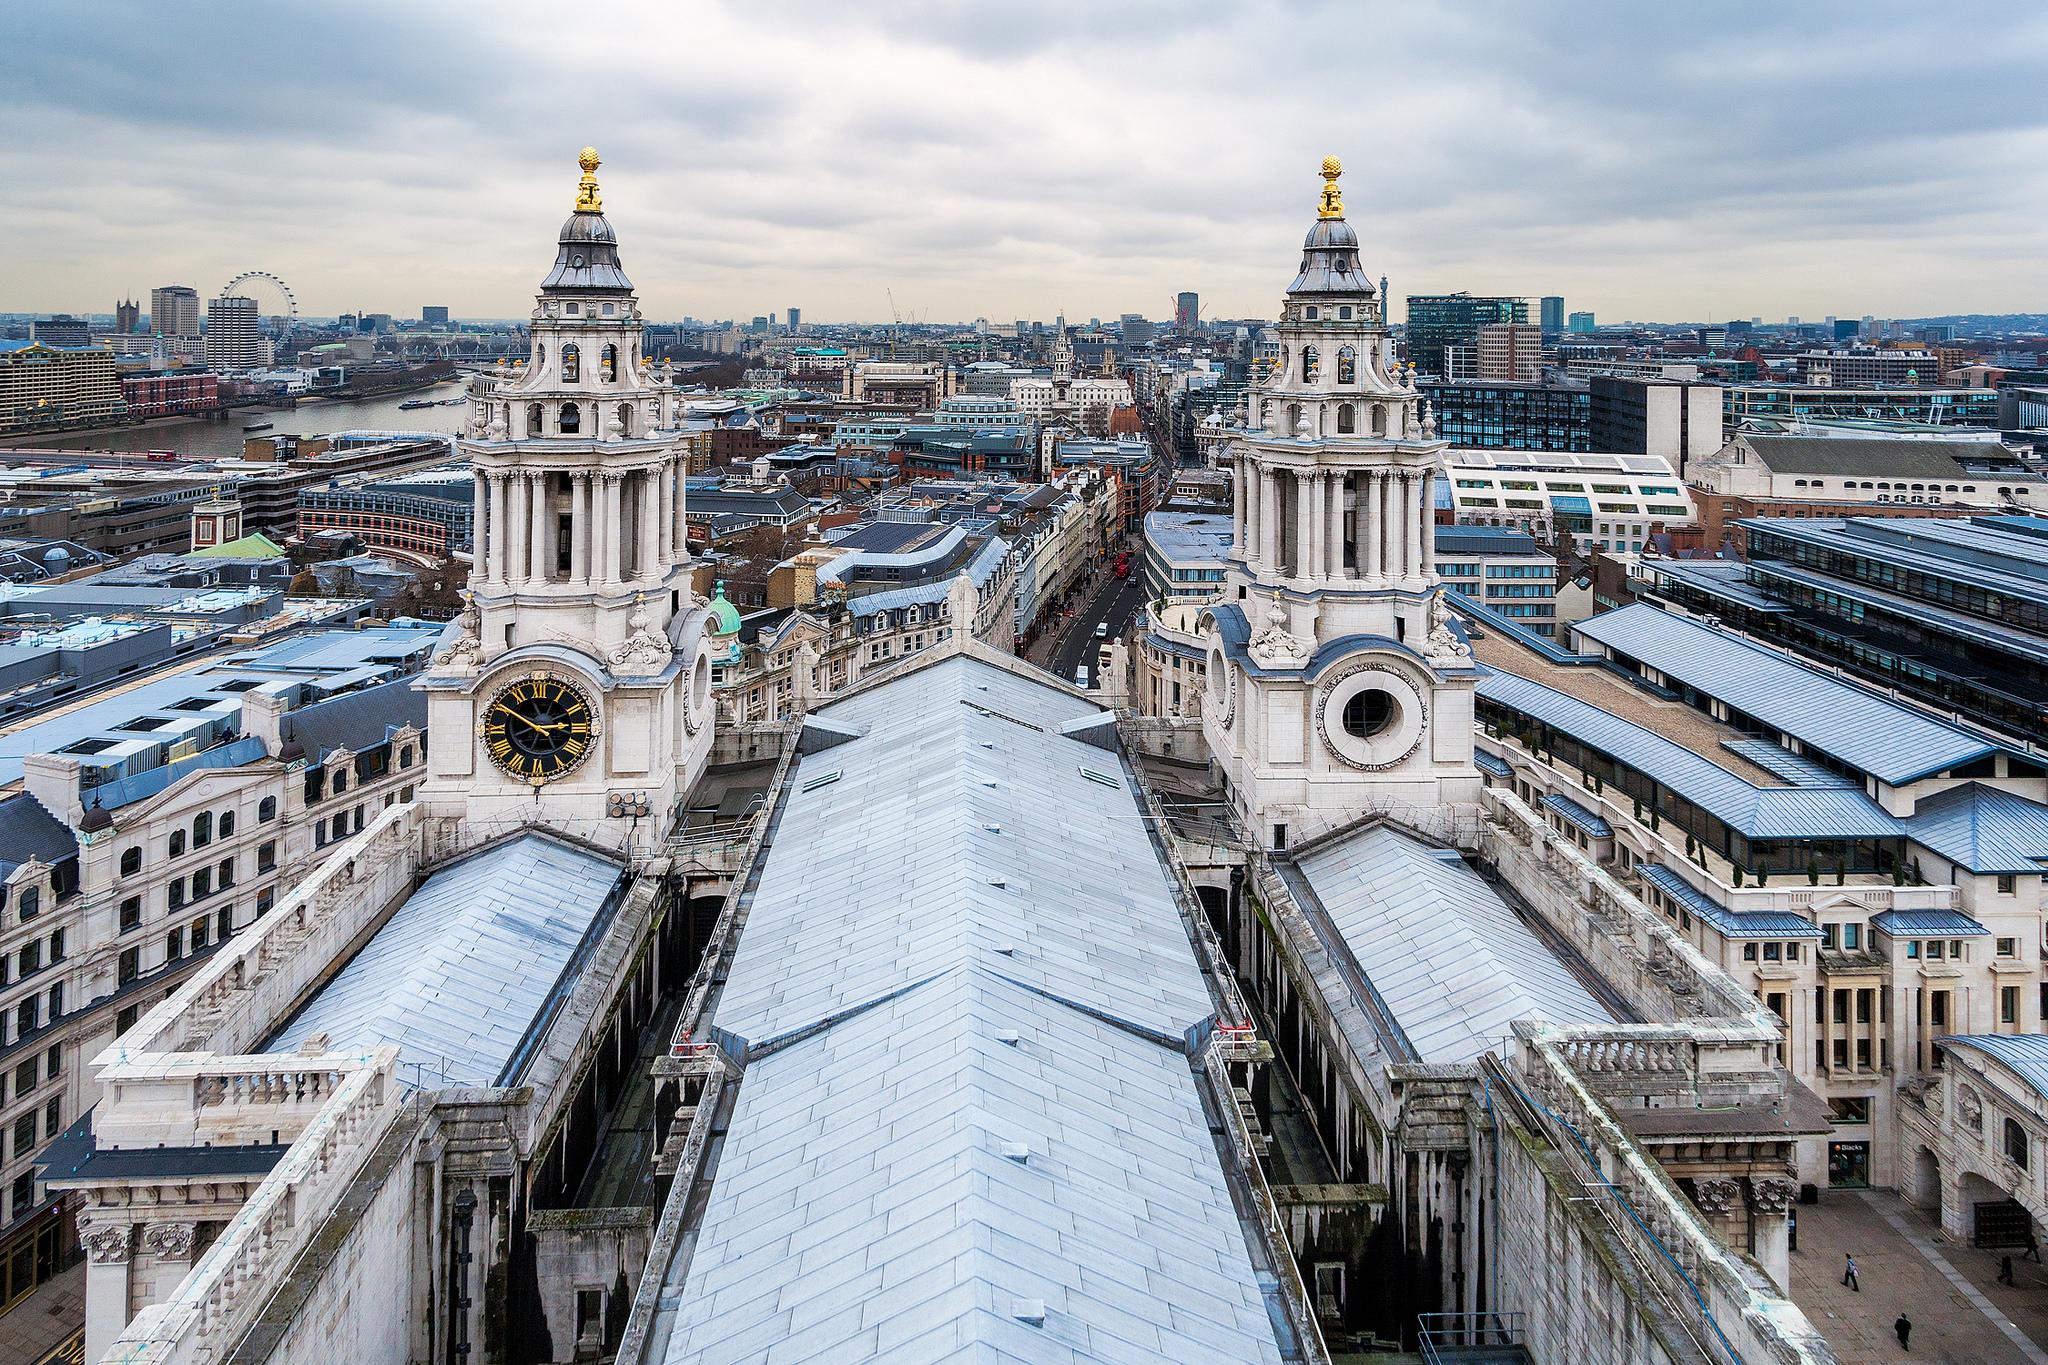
[275,289]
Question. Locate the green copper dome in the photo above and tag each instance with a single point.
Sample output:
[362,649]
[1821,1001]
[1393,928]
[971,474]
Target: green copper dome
[724,613]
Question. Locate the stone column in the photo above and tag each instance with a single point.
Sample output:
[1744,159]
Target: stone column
[1417,498]
[479,522]
[1237,503]
[1269,520]
[579,528]
[518,525]
[1770,1199]
[539,560]
[1372,544]
[107,1247]
[680,508]
[495,548]
[1391,528]
[650,523]
[665,510]
[608,569]
[1311,561]
[1338,484]
[1250,548]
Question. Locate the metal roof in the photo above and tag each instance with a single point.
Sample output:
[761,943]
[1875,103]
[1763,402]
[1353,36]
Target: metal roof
[1757,812]
[462,970]
[1983,829]
[1578,815]
[1927,923]
[1499,767]
[1785,765]
[2025,1053]
[126,791]
[29,830]
[1892,742]
[356,720]
[1730,923]
[967,1126]
[1455,965]
[1877,457]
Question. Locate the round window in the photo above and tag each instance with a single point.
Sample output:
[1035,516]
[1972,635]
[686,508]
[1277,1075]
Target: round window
[1369,712]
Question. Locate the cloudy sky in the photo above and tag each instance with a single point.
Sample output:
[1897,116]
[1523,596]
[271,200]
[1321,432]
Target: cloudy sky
[1647,161]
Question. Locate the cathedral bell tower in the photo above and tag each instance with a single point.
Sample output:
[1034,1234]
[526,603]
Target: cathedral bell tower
[1336,684]
[574,690]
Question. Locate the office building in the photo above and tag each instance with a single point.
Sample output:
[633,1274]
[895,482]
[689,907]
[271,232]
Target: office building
[1553,314]
[1613,503]
[1187,311]
[1869,367]
[434,315]
[1509,351]
[1504,415]
[1953,611]
[796,319]
[61,332]
[426,516]
[127,317]
[1439,321]
[1505,570]
[1185,555]
[1907,406]
[1676,420]
[1137,330]
[174,310]
[47,388]
[1581,324]
[234,338]
[170,393]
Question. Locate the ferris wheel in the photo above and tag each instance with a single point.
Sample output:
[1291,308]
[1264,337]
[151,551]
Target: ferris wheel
[272,285]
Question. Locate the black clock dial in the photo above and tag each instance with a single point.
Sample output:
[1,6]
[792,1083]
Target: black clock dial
[538,729]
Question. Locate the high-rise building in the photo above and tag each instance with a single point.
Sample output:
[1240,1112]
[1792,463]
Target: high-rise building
[1677,419]
[434,314]
[796,319]
[1436,321]
[233,339]
[1137,330]
[1553,314]
[174,310]
[61,330]
[1580,323]
[1187,311]
[1509,350]
[127,317]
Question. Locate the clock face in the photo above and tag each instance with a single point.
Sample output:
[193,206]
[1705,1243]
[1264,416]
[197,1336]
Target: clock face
[539,728]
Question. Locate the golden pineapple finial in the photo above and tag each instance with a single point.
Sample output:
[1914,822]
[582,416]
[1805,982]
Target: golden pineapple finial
[1332,205]
[586,189]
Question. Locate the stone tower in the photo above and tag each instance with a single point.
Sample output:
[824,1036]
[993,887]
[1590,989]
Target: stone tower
[575,688]
[1337,685]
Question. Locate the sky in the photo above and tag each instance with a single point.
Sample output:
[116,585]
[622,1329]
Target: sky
[1646,161]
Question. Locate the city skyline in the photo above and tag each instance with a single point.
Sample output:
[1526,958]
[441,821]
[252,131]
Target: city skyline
[1096,163]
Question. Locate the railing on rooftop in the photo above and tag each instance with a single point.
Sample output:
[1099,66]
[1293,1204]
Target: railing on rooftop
[1464,1334]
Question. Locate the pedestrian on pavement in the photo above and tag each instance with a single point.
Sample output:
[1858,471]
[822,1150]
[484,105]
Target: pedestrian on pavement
[2005,1272]
[2033,1246]
[1904,1327]
[1849,1274]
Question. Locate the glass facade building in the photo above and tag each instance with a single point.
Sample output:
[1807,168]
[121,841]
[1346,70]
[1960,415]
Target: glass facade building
[1503,415]
[1436,321]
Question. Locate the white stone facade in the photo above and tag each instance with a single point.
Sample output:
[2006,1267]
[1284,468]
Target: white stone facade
[1335,684]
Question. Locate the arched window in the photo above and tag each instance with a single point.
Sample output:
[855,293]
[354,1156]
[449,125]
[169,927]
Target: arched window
[1347,419]
[266,810]
[1293,419]
[227,823]
[540,355]
[536,419]
[608,364]
[340,781]
[572,419]
[1311,364]
[1347,366]
[2015,1136]
[32,905]
[572,365]
[202,829]
[131,861]
[405,757]
[1379,419]
[177,842]
[625,419]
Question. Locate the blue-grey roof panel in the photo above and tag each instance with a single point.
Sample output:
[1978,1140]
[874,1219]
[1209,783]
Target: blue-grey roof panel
[1927,923]
[1448,956]
[1870,732]
[1730,923]
[1983,829]
[1579,816]
[459,973]
[1758,812]
[2025,1053]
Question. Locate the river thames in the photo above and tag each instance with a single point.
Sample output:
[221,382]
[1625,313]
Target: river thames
[204,437]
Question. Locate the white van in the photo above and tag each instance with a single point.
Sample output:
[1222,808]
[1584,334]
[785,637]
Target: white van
[1102,630]
[1081,676]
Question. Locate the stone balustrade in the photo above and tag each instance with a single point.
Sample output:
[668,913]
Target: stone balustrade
[184,1099]
[1727,1303]
[243,1269]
